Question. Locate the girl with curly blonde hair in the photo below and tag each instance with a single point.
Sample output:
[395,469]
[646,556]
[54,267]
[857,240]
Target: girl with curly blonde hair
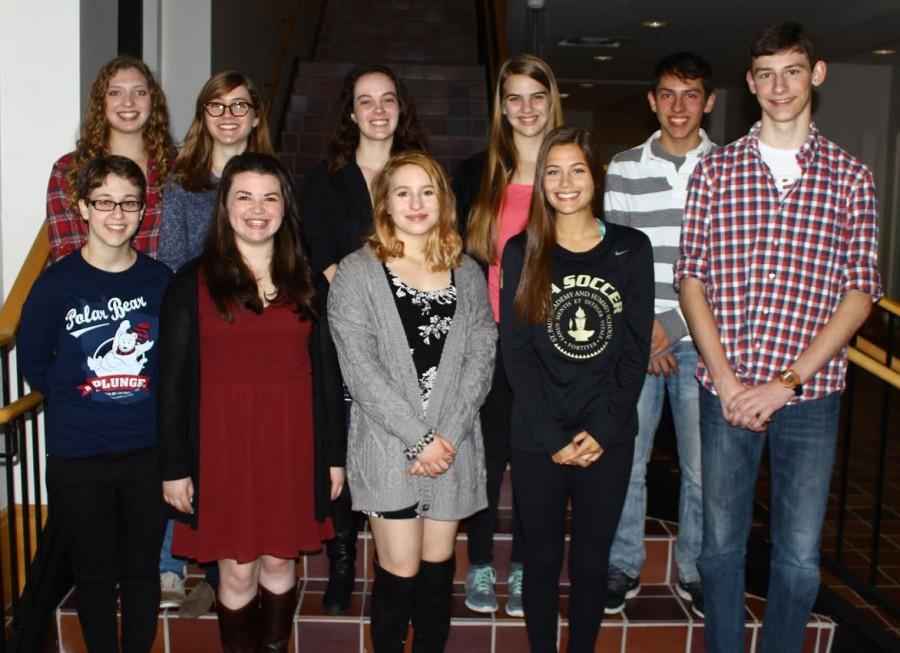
[126,114]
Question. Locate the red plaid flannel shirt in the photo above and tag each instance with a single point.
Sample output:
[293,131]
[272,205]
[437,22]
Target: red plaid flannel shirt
[776,270]
[67,230]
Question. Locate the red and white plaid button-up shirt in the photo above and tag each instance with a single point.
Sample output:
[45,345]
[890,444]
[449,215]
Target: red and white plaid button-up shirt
[68,231]
[775,269]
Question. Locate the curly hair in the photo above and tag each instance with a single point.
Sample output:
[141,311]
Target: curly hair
[229,280]
[502,155]
[409,135]
[93,140]
[444,247]
[194,161]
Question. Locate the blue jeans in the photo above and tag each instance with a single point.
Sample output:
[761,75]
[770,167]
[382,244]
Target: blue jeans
[628,553]
[166,561]
[801,453]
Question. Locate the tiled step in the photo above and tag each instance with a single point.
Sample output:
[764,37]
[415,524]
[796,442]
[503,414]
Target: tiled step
[433,31]
[656,621]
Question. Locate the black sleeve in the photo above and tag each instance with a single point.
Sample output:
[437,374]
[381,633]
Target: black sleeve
[329,388]
[315,215]
[523,368]
[608,422]
[176,391]
[466,184]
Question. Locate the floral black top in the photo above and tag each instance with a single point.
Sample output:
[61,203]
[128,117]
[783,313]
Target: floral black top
[426,317]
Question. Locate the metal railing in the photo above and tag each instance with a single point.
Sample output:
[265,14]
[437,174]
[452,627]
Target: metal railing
[23,451]
[869,425]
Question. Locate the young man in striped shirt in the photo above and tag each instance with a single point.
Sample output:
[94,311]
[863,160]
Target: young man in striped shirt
[646,187]
[777,270]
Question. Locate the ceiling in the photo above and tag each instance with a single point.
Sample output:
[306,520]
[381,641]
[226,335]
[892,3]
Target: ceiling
[845,31]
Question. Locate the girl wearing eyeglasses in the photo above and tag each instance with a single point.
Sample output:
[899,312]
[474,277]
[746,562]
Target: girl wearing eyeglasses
[228,119]
[126,114]
[88,341]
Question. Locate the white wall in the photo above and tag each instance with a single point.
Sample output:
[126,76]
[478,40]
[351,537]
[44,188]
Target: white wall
[39,114]
[184,51]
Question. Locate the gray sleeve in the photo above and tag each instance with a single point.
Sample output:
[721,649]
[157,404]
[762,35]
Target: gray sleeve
[353,327]
[173,238]
[673,324]
[477,360]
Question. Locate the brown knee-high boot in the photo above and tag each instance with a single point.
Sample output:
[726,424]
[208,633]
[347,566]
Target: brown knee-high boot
[276,619]
[239,629]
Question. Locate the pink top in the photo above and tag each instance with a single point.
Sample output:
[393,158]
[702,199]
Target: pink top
[513,219]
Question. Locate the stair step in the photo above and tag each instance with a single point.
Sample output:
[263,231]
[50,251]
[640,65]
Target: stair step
[402,30]
[450,101]
[656,621]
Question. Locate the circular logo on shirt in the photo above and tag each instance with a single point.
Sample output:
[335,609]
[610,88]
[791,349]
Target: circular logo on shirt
[581,320]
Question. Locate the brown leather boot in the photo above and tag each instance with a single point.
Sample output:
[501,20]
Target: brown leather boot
[276,619]
[239,629]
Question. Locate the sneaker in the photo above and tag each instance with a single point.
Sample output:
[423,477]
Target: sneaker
[692,592]
[480,595]
[198,601]
[171,589]
[619,587]
[514,587]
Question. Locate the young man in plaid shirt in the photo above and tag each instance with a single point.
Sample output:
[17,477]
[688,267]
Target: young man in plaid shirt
[777,270]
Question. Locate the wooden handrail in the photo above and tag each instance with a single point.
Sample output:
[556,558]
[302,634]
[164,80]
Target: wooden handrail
[34,264]
[890,305]
[874,367]
[20,406]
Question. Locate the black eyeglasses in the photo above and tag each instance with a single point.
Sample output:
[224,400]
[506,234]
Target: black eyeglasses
[128,206]
[237,108]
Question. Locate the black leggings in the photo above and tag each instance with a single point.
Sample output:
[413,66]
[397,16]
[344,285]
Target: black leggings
[495,429]
[543,490]
[110,513]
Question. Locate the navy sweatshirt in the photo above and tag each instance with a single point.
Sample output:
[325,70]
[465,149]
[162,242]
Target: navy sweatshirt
[584,367]
[88,342]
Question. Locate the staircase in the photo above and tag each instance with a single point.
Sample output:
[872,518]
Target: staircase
[430,44]
[656,621]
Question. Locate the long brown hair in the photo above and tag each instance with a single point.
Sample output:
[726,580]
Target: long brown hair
[229,280]
[502,157]
[409,135]
[532,300]
[93,140]
[194,162]
[444,247]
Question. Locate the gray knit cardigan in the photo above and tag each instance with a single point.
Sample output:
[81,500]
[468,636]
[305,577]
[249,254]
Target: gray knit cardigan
[386,415]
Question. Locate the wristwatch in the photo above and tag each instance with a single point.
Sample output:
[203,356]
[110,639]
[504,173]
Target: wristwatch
[790,379]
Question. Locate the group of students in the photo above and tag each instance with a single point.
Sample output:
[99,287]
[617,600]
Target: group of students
[496,321]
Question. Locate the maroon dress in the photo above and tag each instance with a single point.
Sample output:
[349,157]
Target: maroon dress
[256,439]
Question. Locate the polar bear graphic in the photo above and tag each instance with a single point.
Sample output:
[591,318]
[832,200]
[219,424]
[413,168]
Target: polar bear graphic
[127,355]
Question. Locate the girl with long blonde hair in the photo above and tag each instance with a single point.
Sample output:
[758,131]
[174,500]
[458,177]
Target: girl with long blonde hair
[493,191]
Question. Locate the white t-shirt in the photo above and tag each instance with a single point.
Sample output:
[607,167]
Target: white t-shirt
[783,166]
